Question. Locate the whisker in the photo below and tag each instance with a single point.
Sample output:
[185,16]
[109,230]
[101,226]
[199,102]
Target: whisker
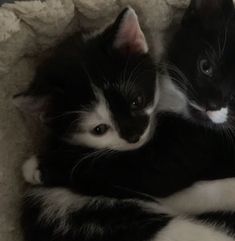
[225,40]
[93,156]
[185,83]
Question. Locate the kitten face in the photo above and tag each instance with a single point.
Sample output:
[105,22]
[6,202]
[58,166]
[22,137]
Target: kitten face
[102,92]
[203,55]
[111,122]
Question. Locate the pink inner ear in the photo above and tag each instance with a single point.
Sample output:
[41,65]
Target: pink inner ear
[130,35]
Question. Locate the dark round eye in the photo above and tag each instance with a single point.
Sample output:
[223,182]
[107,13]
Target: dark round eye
[137,103]
[206,67]
[100,130]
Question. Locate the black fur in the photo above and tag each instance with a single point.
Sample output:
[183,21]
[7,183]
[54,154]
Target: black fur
[207,33]
[220,219]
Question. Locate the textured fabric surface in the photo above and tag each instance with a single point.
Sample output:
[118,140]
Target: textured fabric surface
[27,30]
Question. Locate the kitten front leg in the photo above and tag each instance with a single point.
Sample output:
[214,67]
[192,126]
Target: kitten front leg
[31,171]
[204,196]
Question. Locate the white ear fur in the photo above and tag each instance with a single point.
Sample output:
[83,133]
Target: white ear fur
[29,103]
[130,35]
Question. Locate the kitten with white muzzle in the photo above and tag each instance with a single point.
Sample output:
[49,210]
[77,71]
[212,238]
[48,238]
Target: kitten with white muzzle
[201,62]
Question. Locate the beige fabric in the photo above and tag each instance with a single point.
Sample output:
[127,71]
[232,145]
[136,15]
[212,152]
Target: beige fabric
[27,29]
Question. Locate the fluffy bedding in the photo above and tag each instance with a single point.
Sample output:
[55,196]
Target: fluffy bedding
[28,29]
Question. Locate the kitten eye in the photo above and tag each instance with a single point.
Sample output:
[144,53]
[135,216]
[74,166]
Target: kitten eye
[100,130]
[206,67]
[137,103]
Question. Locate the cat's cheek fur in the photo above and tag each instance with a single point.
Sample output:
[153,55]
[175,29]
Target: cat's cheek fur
[172,98]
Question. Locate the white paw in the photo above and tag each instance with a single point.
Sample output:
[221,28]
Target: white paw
[31,172]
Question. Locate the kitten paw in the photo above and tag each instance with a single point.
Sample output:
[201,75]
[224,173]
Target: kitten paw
[31,172]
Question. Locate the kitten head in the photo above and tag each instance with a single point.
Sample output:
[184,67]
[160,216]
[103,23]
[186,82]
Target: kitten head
[101,92]
[202,60]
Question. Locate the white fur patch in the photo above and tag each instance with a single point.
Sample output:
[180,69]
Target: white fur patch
[150,110]
[219,116]
[207,196]
[187,230]
[30,171]
[172,99]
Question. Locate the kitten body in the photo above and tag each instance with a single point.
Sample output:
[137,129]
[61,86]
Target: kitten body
[59,214]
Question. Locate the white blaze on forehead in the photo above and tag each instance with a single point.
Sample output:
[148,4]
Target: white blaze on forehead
[219,116]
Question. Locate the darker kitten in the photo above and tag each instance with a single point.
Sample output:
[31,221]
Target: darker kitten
[201,62]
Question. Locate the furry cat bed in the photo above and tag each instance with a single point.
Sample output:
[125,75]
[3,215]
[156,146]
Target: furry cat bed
[27,29]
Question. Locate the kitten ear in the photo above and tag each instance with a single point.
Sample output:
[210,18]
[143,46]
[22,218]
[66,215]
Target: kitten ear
[30,104]
[129,38]
[210,6]
[208,12]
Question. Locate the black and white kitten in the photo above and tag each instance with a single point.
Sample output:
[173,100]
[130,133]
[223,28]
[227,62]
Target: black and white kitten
[99,92]
[201,63]
[97,95]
